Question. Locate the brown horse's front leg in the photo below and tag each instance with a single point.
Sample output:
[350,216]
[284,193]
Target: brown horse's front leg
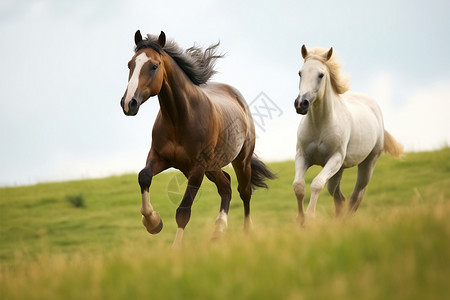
[183,214]
[150,218]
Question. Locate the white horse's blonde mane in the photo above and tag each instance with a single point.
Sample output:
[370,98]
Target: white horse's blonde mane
[339,81]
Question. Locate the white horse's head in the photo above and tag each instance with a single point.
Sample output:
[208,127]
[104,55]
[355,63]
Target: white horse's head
[313,77]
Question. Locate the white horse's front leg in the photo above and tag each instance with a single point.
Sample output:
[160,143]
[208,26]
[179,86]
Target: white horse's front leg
[299,184]
[332,166]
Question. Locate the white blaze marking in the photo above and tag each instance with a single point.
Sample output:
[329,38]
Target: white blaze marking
[140,60]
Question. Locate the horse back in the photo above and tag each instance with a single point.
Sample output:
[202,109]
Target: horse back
[367,129]
[235,128]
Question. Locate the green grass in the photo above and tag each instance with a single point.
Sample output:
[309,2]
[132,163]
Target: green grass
[397,245]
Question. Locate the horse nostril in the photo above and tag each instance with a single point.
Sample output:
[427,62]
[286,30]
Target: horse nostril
[122,101]
[304,104]
[296,101]
[132,105]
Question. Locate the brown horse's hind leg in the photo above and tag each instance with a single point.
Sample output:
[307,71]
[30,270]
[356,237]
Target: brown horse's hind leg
[183,214]
[243,173]
[365,171]
[150,218]
[334,189]
[222,181]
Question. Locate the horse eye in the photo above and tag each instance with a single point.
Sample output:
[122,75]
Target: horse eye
[154,67]
[300,73]
[321,75]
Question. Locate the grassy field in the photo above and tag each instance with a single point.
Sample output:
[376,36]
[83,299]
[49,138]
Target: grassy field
[397,246]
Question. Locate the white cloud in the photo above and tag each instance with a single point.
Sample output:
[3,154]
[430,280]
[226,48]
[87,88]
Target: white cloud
[421,120]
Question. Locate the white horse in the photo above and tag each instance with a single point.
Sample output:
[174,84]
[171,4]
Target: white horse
[340,130]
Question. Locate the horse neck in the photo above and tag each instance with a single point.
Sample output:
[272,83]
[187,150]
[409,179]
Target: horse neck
[176,91]
[324,108]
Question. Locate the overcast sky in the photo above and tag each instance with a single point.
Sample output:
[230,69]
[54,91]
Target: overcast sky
[64,70]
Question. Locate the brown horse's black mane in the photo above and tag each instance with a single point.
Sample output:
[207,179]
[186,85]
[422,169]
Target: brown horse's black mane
[197,64]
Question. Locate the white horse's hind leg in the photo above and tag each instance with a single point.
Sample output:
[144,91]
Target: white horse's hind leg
[331,167]
[335,190]
[365,171]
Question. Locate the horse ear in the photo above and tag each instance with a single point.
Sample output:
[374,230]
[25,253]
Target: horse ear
[329,54]
[162,39]
[137,37]
[304,51]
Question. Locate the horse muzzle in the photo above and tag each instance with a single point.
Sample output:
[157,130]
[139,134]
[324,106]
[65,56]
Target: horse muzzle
[301,107]
[131,108]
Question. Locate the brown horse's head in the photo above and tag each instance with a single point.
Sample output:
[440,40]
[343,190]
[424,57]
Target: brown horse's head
[146,73]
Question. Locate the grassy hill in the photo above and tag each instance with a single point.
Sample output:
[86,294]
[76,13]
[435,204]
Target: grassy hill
[397,246]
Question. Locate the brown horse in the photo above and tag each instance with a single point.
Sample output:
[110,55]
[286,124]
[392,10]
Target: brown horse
[200,128]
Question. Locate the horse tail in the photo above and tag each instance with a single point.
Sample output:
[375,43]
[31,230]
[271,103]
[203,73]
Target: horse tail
[260,172]
[391,146]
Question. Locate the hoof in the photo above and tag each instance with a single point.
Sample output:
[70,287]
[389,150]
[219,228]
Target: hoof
[301,220]
[217,236]
[221,225]
[310,214]
[153,223]
[248,225]
[156,229]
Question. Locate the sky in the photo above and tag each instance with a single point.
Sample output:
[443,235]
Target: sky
[64,70]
